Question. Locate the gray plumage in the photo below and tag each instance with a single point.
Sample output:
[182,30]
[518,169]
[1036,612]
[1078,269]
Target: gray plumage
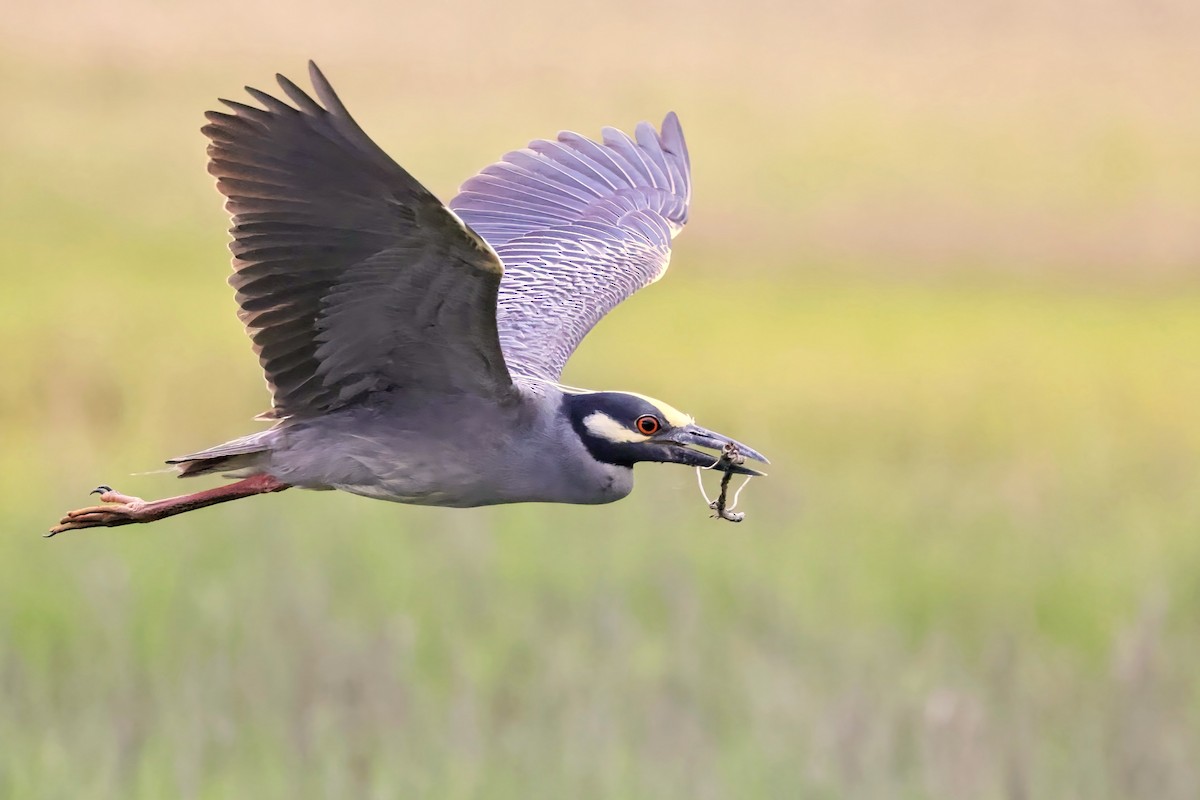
[412,349]
[351,277]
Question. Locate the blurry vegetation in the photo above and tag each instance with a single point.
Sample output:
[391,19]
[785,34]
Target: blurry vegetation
[942,269]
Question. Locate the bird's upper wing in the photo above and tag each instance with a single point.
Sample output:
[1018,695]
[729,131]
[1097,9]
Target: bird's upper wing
[351,277]
[580,226]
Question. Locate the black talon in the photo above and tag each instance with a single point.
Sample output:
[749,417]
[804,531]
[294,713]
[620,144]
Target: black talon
[101,489]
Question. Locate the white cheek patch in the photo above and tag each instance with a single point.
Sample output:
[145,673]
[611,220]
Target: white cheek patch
[605,427]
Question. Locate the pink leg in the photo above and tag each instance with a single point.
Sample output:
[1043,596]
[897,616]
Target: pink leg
[128,510]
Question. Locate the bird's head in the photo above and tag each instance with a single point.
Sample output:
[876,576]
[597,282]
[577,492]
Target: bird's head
[623,428]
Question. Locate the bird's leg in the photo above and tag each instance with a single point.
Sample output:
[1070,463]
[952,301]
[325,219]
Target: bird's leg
[129,510]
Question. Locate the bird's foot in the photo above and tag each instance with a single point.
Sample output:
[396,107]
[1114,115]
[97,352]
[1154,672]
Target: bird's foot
[125,510]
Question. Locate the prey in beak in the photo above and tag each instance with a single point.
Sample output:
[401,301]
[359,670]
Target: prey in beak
[678,443]
[623,429]
[731,461]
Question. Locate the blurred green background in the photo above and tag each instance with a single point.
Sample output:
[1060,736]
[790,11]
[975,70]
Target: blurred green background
[943,267]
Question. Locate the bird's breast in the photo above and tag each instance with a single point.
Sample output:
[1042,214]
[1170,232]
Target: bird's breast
[441,484]
[484,458]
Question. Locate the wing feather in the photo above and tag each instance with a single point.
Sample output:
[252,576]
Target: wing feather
[580,225]
[351,277]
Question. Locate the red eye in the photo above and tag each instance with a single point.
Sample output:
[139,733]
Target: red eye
[648,424]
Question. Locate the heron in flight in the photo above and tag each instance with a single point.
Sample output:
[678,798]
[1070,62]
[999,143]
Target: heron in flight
[413,349]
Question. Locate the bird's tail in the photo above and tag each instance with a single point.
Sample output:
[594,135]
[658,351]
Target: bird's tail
[238,458]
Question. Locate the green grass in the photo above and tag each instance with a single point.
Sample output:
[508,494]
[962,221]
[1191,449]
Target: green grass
[972,571]
[978,535]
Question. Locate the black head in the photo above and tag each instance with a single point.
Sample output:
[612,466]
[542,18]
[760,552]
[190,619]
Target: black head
[622,428]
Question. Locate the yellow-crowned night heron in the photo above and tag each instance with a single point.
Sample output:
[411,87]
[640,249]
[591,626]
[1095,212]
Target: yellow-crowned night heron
[412,350]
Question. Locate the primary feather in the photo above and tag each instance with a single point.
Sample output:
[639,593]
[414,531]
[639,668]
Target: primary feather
[351,277]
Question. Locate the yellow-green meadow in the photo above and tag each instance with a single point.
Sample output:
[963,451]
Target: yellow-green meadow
[941,269]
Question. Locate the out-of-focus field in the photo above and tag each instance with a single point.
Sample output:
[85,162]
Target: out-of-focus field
[942,268]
